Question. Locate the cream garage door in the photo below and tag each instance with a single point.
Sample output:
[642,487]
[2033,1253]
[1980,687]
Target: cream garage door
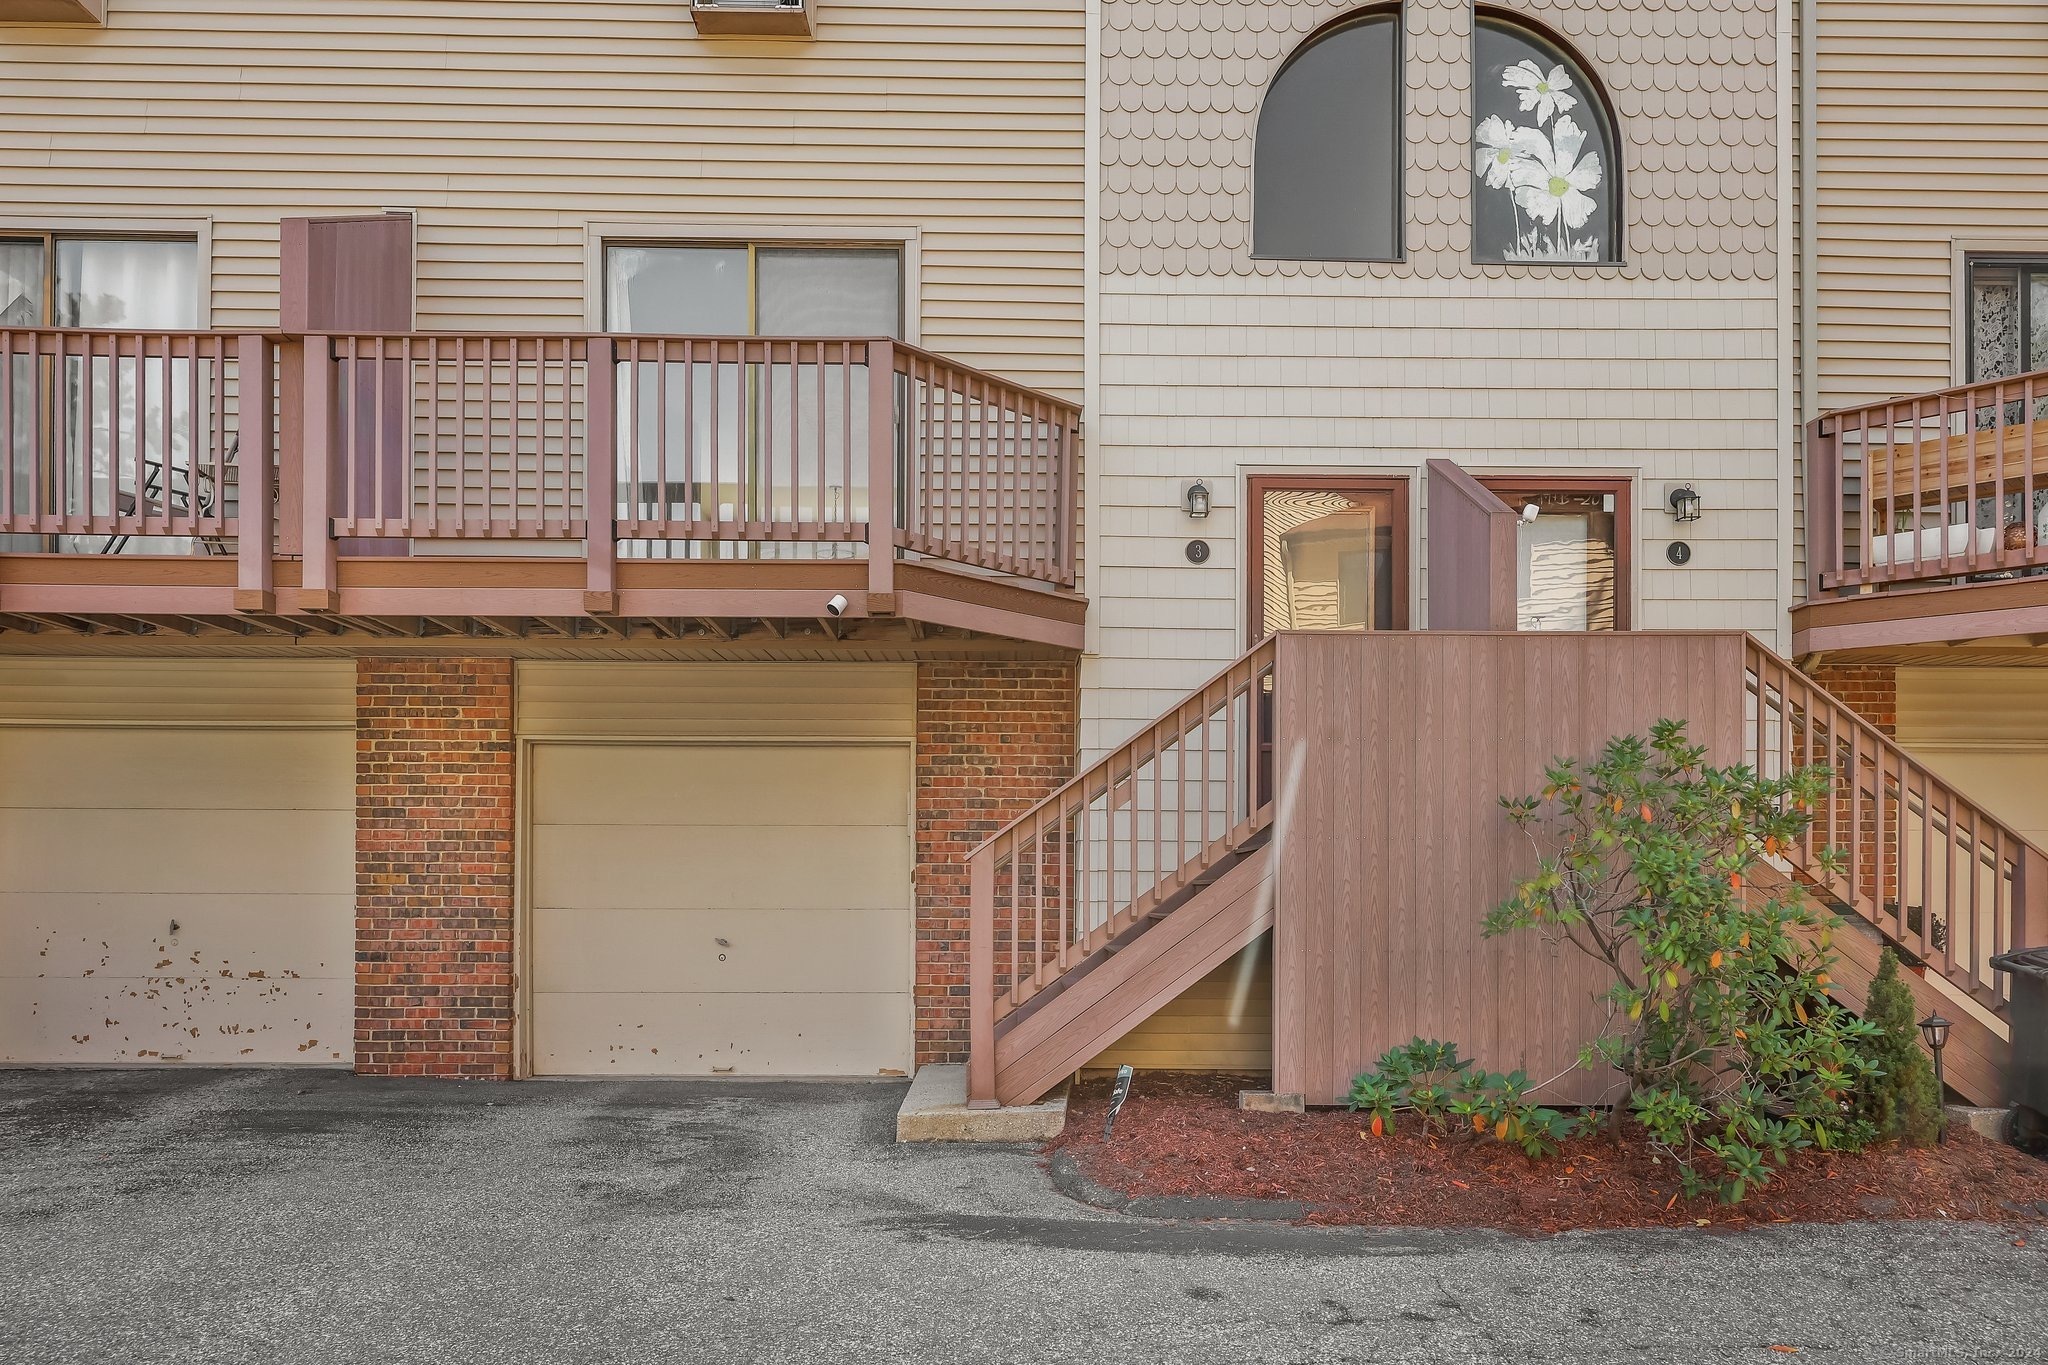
[176,895]
[703,908]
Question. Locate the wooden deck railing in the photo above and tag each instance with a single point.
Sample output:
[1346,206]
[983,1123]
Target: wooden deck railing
[386,440]
[1939,486]
[1933,871]
[1091,861]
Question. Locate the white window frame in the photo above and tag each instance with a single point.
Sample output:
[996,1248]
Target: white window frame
[197,230]
[600,234]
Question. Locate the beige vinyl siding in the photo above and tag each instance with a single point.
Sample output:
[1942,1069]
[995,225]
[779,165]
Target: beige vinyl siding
[179,845]
[1932,128]
[511,127]
[1224,1022]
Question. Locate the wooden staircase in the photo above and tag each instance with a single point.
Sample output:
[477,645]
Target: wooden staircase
[1150,869]
[1122,888]
[1923,868]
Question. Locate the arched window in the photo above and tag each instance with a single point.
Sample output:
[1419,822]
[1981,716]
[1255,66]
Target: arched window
[1326,166]
[1546,185]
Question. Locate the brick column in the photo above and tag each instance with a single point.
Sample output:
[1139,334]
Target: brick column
[1872,692]
[434,867]
[992,738]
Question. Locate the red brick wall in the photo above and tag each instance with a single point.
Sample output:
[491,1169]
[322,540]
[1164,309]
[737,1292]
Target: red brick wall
[992,738]
[1872,692]
[434,865]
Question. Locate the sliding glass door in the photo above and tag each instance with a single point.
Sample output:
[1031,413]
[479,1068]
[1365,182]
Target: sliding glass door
[758,434]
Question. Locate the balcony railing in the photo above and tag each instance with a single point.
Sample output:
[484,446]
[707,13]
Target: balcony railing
[1936,488]
[434,443]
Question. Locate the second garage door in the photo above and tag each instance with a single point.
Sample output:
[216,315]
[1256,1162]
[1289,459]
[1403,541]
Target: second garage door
[704,908]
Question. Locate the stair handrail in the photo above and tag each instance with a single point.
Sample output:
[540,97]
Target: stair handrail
[1215,740]
[1885,804]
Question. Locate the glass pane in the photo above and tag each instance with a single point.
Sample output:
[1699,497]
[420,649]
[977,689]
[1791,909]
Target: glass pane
[132,426]
[1328,560]
[102,282]
[1543,166]
[1326,180]
[1994,321]
[21,305]
[676,290]
[21,284]
[810,292]
[1567,572]
[2037,319]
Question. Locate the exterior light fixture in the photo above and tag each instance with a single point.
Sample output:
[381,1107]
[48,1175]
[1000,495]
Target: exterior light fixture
[1685,502]
[1530,511]
[1195,497]
[1934,1029]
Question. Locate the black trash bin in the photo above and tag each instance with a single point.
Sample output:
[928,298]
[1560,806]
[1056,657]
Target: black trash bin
[2028,968]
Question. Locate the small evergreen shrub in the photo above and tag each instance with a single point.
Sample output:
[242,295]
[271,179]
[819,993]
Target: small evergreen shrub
[1897,1096]
[1428,1079]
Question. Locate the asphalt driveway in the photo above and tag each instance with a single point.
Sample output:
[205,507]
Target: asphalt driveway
[315,1217]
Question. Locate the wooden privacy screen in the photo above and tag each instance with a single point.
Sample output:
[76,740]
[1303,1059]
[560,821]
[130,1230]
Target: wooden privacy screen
[1394,846]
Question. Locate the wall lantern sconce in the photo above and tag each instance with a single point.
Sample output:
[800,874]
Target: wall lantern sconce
[1195,498]
[754,18]
[1934,1029]
[1685,502]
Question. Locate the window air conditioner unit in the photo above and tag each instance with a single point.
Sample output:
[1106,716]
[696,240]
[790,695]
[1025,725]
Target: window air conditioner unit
[53,12]
[754,18]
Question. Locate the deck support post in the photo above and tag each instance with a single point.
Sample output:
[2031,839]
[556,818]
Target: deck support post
[601,480]
[882,474]
[981,981]
[1823,506]
[317,589]
[254,550]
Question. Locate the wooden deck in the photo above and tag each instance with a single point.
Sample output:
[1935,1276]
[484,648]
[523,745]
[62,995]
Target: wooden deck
[505,484]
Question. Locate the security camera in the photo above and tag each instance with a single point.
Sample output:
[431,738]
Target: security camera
[836,604]
[1530,511]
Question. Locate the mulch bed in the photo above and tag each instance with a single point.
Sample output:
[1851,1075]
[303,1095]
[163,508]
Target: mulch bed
[1181,1134]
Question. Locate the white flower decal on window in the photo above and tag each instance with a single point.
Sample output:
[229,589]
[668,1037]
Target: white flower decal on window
[1553,181]
[1548,182]
[1545,94]
[1503,147]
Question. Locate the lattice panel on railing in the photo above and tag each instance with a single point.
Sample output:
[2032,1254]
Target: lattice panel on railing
[460,437]
[987,471]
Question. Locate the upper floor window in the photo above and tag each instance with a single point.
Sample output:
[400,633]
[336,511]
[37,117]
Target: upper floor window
[740,290]
[1545,183]
[147,283]
[2008,319]
[1326,164]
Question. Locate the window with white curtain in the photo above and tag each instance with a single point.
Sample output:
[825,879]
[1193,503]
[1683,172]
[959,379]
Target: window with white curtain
[118,283]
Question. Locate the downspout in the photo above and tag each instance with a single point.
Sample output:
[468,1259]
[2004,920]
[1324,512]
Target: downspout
[1809,124]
